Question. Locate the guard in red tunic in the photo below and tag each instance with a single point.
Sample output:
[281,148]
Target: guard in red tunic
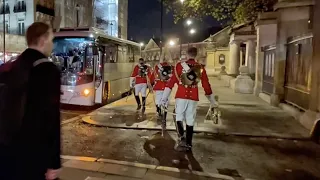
[160,76]
[139,81]
[187,75]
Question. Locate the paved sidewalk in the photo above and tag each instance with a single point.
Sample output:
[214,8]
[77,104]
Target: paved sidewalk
[241,114]
[85,168]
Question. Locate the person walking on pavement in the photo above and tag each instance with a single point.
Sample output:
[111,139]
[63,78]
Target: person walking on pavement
[139,81]
[187,75]
[33,149]
[160,76]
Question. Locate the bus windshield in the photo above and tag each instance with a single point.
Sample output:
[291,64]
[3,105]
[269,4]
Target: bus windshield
[74,57]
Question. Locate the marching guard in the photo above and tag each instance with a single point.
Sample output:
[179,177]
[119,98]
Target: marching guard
[139,80]
[161,74]
[187,74]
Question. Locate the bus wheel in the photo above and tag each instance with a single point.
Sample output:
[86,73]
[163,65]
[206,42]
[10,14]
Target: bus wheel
[316,132]
[105,94]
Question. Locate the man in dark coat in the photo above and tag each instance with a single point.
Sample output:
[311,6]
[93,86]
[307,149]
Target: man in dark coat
[35,151]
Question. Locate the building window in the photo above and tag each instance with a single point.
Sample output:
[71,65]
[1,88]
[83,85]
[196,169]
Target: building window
[5,9]
[20,7]
[21,30]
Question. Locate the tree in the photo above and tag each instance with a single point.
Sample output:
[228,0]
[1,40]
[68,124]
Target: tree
[226,11]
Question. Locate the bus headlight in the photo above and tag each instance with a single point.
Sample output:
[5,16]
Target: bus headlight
[86,92]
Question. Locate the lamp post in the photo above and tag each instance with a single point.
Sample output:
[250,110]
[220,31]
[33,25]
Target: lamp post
[161,27]
[141,45]
[192,31]
[4,32]
[111,28]
[77,9]
[188,23]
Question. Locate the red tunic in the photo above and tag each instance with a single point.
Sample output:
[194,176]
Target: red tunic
[139,79]
[189,92]
[159,85]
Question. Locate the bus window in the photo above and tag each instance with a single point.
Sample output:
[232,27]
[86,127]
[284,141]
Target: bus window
[99,64]
[69,55]
[111,52]
[92,56]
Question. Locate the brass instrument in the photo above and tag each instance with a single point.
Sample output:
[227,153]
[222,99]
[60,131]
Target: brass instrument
[143,70]
[164,73]
[193,76]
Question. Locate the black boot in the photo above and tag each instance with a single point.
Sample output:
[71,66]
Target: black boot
[180,129]
[158,110]
[181,145]
[164,123]
[164,120]
[189,137]
[143,104]
[138,102]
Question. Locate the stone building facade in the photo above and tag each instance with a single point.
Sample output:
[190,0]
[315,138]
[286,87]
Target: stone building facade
[111,16]
[212,52]
[281,50]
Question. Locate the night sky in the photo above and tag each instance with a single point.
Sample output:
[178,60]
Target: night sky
[144,23]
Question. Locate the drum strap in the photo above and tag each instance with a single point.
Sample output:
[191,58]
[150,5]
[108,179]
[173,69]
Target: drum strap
[176,74]
[185,67]
[160,67]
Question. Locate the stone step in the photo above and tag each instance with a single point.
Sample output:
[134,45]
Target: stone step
[111,177]
[95,178]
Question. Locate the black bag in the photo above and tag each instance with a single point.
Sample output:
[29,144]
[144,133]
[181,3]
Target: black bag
[13,89]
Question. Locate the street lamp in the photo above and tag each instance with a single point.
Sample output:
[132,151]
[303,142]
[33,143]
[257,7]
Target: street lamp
[192,31]
[182,1]
[171,43]
[189,22]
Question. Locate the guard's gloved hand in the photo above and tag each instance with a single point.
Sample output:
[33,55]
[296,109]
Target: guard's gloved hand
[165,97]
[212,101]
[132,82]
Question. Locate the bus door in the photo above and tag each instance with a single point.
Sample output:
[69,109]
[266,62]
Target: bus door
[99,77]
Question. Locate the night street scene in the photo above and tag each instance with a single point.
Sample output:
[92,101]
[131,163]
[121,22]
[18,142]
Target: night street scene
[160,89]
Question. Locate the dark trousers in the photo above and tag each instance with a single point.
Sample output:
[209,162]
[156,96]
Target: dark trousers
[18,165]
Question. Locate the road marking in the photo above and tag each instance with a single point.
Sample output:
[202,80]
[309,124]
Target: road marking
[72,119]
[75,113]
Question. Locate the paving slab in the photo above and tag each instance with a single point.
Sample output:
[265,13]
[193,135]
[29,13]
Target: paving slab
[112,177]
[78,174]
[128,171]
[90,166]
[241,114]
[74,169]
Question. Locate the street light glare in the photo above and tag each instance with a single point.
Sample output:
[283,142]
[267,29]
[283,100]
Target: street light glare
[192,31]
[141,44]
[189,22]
[171,43]
[182,1]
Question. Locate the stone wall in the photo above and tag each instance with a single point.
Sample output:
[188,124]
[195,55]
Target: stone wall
[14,43]
[216,59]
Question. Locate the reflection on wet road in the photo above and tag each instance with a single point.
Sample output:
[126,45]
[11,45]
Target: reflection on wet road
[162,149]
[255,158]
[68,112]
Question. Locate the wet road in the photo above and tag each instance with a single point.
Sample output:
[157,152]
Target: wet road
[68,112]
[257,158]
